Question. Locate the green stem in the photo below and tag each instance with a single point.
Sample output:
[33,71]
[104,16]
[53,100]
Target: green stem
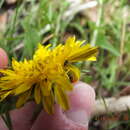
[122,43]
[12,28]
[1,3]
[98,23]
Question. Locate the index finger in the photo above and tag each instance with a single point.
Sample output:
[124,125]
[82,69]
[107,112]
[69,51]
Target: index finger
[3,59]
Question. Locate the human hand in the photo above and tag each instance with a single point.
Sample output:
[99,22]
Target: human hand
[82,100]
[3,59]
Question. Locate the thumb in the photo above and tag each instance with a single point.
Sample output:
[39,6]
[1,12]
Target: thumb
[3,59]
[82,99]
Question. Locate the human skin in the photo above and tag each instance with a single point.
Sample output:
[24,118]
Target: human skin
[82,100]
[3,59]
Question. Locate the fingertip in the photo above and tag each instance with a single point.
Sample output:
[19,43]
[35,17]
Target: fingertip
[3,59]
[83,97]
[82,100]
[21,118]
[85,92]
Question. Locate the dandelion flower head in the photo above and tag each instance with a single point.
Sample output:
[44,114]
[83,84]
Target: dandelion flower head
[48,76]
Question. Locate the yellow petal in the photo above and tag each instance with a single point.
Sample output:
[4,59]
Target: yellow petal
[73,73]
[64,82]
[23,98]
[37,94]
[4,95]
[92,59]
[70,41]
[3,92]
[83,53]
[45,87]
[48,103]
[61,97]
[7,72]
[15,64]
[10,84]
[21,89]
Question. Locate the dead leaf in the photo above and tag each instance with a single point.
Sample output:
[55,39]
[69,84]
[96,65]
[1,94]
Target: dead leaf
[91,13]
[124,92]
[11,1]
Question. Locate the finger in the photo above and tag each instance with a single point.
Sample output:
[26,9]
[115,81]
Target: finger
[3,59]
[82,99]
[21,118]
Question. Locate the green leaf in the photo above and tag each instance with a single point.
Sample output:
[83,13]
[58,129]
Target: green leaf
[103,43]
[31,40]
[1,3]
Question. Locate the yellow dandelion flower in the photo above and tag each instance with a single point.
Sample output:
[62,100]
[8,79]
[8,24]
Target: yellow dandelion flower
[74,51]
[47,77]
